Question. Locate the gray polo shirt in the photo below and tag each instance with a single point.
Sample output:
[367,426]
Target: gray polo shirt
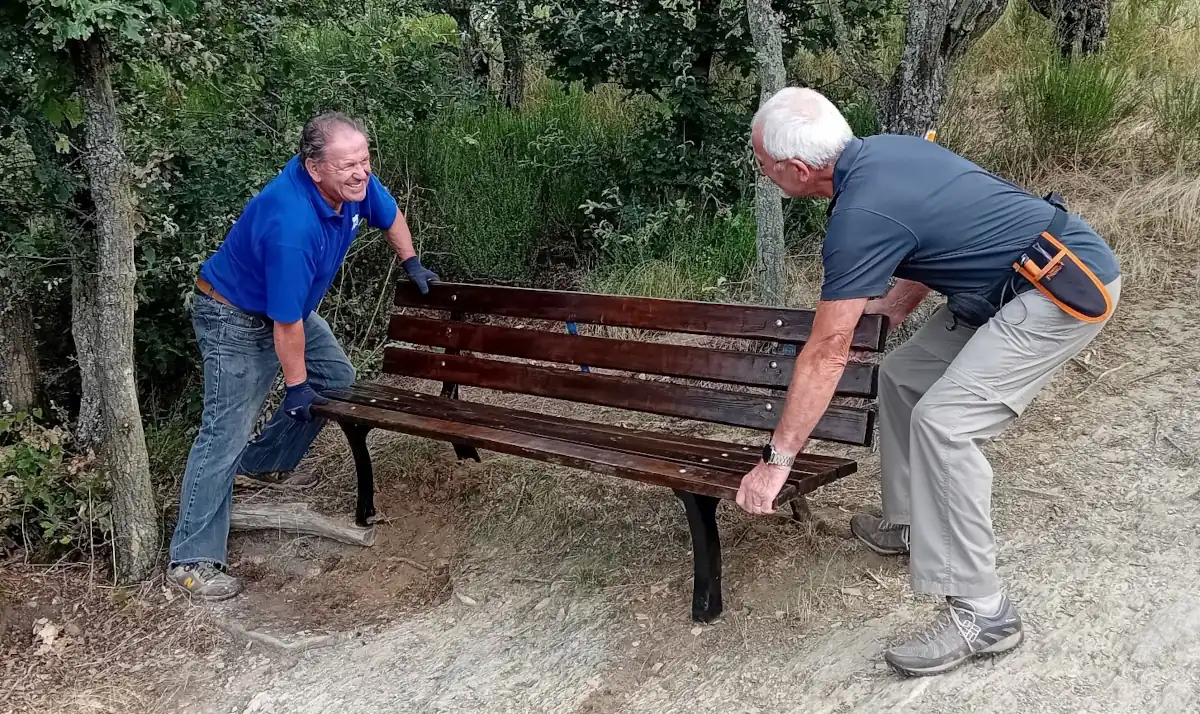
[907,207]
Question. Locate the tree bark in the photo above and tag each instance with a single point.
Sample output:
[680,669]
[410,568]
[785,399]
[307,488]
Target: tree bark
[512,45]
[18,355]
[937,35]
[108,301]
[770,267]
[1082,25]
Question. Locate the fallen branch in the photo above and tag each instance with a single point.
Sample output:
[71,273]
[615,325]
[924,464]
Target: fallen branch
[297,518]
[308,643]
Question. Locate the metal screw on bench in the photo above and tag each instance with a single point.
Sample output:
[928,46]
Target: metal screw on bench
[774,365]
[453,298]
[779,323]
[769,407]
[704,460]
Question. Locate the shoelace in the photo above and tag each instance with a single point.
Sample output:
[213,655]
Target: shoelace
[964,621]
[886,525]
[207,572]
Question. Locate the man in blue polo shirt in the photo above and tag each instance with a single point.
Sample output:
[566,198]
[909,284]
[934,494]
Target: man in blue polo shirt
[907,209]
[255,312]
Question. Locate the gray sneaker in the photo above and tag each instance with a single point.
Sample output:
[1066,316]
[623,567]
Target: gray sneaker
[204,581]
[276,479]
[956,635]
[879,535]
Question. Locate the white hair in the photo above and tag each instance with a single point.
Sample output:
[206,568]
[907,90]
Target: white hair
[800,123]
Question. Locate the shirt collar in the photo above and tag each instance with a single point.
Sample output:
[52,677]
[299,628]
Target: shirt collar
[324,210]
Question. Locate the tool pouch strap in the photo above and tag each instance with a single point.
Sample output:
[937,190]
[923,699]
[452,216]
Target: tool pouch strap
[1061,276]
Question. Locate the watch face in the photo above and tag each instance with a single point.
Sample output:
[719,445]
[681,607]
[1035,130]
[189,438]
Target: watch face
[767,452]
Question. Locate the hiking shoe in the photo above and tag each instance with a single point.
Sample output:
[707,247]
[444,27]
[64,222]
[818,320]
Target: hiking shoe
[879,535]
[276,479]
[205,581]
[957,634]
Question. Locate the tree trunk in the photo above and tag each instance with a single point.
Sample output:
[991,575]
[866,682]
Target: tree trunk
[110,302]
[769,267]
[511,43]
[18,355]
[937,35]
[1082,25]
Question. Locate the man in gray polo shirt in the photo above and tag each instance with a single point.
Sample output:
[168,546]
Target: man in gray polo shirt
[905,208]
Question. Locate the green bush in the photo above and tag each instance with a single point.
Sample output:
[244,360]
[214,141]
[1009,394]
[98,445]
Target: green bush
[1177,119]
[672,251]
[50,502]
[1070,108]
[502,187]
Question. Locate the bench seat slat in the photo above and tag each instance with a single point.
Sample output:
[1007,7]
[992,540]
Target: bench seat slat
[727,457]
[792,325]
[717,365]
[704,481]
[839,424]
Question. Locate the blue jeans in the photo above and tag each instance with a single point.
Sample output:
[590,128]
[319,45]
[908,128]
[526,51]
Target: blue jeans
[240,366]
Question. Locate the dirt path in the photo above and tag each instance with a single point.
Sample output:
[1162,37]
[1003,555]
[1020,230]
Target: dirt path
[1095,504]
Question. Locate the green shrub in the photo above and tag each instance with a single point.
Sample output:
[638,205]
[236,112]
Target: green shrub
[1070,108]
[672,251]
[1177,119]
[503,186]
[50,502]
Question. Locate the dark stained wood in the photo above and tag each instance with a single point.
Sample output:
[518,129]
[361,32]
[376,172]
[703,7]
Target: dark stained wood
[731,458]
[700,480]
[841,424]
[792,325]
[729,366]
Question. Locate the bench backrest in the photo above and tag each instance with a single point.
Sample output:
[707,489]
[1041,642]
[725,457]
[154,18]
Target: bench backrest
[729,371]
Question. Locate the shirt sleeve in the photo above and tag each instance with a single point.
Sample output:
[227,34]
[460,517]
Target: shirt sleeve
[381,207]
[861,252]
[289,273]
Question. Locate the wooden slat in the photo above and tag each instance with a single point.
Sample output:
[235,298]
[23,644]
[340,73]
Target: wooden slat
[841,424]
[719,456]
[699,480]
[791,325]
[729,366]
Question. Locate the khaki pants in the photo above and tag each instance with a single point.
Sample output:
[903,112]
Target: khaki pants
[943,394]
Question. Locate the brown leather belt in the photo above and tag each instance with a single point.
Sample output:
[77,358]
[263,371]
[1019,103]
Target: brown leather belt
[206,287]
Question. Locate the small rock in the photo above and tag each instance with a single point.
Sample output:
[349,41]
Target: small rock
[466,599]
[697,630]
[636,643]
[640,616]
[656,667]
[562,614]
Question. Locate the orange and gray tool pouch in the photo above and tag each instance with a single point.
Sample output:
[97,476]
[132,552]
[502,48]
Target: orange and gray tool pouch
[1060,275]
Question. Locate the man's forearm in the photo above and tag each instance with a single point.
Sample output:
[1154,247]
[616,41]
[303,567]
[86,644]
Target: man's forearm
[815,378]
[289,345]
[401,238]
[904,297]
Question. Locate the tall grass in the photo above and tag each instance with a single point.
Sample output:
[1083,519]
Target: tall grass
[1072,108]
[503,186]
[676,252]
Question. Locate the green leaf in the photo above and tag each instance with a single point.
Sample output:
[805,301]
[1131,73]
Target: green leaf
[132,29]
[52,109]
[62,144]
[73,110]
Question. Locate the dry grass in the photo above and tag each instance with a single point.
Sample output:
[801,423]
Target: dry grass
[108,650]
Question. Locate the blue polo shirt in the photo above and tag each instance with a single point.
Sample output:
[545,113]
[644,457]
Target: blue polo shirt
[282,254]
[907,207]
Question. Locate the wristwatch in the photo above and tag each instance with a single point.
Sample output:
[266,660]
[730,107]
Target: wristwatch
[774,457]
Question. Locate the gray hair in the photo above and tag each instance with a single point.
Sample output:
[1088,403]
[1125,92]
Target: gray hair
[317,131]
[800,123]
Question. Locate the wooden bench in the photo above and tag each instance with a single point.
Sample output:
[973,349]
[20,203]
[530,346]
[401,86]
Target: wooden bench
[739,388]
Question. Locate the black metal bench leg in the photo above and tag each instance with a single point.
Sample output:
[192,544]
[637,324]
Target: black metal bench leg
[706,552]
[356,434]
